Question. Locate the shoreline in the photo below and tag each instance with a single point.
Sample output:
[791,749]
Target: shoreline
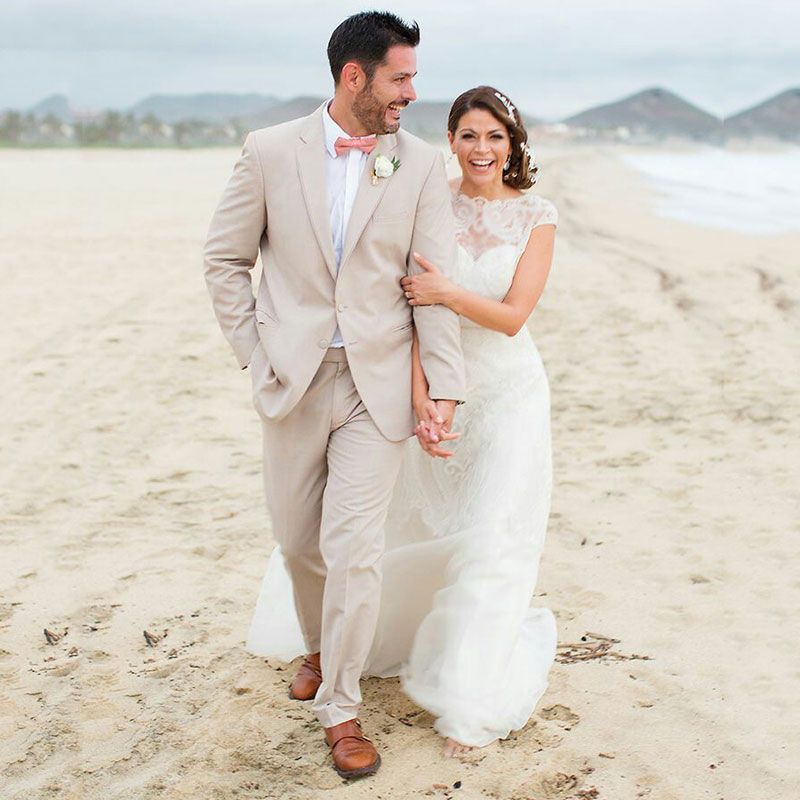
[753,193]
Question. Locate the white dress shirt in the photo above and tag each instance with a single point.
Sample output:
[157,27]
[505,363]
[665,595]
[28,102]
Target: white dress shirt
[343,176]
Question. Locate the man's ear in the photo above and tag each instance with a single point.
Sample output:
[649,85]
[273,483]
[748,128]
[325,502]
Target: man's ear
[353,77]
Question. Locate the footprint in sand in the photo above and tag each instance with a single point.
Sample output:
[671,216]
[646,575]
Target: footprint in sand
[560,713]
[533,734]
[584,598]
[62,669]
[669,284]
[94,618]
[98,656]
[7,610]
[635,458]
[300,759]
[564,615]
[387,695]
[26,577]
[662,412]
[771,285]
[552,786]
[161,671]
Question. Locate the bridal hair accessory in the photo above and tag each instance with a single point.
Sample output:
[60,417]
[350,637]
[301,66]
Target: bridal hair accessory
[532,168]
[384,167]
[507,103]
[526,151]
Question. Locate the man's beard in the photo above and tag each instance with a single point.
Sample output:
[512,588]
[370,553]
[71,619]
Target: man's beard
[371,113]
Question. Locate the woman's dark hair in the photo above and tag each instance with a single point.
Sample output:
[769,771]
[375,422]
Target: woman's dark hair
[521,172]
[366,38]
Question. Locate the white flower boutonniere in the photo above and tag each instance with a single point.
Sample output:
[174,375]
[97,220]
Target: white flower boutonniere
[384,167]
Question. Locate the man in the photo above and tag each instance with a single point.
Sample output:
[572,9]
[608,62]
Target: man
[337,202]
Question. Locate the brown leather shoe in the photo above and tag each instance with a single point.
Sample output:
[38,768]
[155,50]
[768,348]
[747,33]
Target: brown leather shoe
[353,754]
[307,680]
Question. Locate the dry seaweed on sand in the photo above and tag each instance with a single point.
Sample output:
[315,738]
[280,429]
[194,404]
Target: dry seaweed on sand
[593,646]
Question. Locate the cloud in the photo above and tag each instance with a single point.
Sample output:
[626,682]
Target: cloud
[552,58]
[618,28]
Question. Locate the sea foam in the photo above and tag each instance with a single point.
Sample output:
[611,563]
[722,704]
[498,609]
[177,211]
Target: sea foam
[748,191]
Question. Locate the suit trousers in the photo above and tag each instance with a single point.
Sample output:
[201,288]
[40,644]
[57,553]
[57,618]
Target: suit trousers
[328,480]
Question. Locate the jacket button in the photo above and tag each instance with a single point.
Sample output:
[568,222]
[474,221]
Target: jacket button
[340,307]
[323,343]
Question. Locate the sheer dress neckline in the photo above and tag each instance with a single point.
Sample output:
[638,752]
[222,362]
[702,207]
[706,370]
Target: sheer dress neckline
[483,224]
[480,199]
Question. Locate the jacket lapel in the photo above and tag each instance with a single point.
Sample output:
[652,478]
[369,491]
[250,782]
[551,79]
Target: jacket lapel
[312,168]
[367,197]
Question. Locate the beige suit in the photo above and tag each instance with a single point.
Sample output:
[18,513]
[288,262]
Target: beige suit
[333,419]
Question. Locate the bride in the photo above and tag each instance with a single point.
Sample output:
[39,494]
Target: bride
[466,527]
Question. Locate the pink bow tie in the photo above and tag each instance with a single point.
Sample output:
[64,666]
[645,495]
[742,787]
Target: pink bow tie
[366,144]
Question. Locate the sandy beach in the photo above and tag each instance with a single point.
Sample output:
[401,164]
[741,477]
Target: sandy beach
[130,501]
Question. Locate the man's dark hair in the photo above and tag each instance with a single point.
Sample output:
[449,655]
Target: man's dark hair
[366,38]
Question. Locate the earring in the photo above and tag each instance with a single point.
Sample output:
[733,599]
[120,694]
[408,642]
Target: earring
[450,157]
[507,164]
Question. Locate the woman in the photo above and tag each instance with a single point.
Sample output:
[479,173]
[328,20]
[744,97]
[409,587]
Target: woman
[464,535]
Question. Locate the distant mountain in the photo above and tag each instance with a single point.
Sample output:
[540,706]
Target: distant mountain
[282,111]
[208,107]
[209,119]
[653,112]
[778,117]
[427,120]
[56,105]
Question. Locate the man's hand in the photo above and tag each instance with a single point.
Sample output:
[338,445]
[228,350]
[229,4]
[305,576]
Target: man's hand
[424,437]
[435,420]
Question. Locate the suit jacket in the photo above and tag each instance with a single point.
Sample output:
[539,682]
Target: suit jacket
[276,202]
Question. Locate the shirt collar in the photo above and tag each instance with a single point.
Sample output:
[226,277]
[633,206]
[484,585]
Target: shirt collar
[332,130]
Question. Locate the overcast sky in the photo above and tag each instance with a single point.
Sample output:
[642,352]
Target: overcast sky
[552,57]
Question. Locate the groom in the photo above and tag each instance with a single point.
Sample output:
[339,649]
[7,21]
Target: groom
[337,202]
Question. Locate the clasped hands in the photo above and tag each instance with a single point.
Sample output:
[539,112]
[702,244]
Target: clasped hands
[434,426]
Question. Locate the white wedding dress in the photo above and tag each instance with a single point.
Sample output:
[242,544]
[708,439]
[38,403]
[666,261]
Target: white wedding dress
[464,535]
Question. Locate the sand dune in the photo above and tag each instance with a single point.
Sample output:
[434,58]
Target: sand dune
[131,500]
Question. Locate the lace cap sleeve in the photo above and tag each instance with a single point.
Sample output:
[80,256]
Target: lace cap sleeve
[545,213]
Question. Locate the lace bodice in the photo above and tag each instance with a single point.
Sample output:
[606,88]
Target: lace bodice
[482,224]
[492,235]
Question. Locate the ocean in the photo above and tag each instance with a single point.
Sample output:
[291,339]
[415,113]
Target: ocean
[751,192]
